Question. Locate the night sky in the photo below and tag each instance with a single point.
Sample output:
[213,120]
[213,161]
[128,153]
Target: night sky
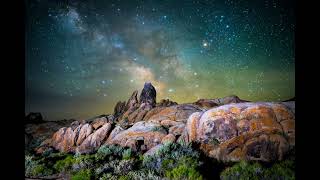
[83,57]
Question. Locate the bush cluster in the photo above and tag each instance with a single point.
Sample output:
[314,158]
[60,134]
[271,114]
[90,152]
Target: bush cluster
[246,170]
[171,161]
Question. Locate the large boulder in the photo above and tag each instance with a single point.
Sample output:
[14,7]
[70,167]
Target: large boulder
[34,118]
[63,140]
[142,133]
[84,132]
[251,131]
[94,140]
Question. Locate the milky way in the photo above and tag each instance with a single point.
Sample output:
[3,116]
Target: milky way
[83,57]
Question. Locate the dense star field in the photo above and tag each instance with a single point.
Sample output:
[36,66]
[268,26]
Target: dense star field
[83,57]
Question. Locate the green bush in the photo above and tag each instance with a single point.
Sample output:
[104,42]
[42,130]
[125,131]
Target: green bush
[41,170]
[173,160]
[103,152]
[83,162]
[127,154]
[183,172]
[141,174]
[84,174]
[65,164]
[245,170]
[34,168]
[242,171]
[108,176]
[281,170]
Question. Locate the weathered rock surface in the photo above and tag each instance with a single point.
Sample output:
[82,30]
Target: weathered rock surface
[94,140]
[63,140]
[176,113]
[141,133]
[84,132]
[148,95]
[252,131]
[166,103]
[170,138]
[119,109]
[209,103]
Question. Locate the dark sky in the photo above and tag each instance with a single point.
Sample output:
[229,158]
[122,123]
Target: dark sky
[83,57]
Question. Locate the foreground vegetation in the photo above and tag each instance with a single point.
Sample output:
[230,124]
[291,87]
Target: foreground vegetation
[171,161]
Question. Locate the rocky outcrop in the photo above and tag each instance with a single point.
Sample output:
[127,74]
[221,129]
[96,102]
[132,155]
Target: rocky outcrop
[148,95]
[119,109]
[166,103]
[209,103]
[228,129]
[251,131]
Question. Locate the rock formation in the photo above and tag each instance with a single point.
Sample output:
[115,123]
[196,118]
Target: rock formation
[251,131]
[228,129]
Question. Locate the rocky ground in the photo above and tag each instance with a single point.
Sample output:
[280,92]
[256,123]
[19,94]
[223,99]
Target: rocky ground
[167,140]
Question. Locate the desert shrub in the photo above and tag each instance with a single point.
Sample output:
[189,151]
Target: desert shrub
[138,175]
[83,162]
[243,170]
[103,152]
[184,168]
[183,172]
[65,164]
[41,170]
[246,170]
[29,164]
[172,156]
[84,174]
[33,167]
[126,154]
[281,170]
[122,167]
[47,152]
[108,176]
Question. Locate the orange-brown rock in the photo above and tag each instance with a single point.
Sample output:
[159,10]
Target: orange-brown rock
[169,123]
[150,133]
[94,140]
[114,132]
[63,140]
[178,113]
[170,138]
[166,103]
[254,131]
[97,123]
[177,129]
[84,132]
